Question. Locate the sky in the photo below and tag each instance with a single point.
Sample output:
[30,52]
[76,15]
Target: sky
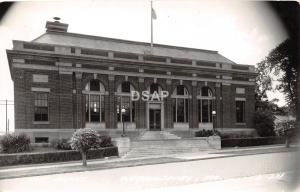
[243,31]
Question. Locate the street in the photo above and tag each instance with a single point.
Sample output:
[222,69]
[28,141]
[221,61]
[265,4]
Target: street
[274,169]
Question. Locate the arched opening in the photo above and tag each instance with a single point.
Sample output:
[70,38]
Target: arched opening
[180,99]
[205,106]
[94,102]
[125,106]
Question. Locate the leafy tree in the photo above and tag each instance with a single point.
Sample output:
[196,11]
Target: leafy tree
[84,140]
[264,123]
[280,62]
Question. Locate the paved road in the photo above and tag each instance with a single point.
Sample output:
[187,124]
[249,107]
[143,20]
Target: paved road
[151,177]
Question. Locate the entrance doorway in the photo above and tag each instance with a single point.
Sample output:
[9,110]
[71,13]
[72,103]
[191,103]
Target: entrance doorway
[155,119]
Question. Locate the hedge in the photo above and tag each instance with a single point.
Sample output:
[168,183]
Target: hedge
[254,141]
[57,156]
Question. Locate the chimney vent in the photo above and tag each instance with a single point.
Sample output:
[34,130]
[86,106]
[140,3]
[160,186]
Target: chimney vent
[56,25]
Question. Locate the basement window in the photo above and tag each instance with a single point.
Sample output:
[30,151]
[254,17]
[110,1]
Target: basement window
[41,139]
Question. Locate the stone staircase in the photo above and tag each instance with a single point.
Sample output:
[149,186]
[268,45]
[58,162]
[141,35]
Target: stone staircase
[157,135]
[159,143]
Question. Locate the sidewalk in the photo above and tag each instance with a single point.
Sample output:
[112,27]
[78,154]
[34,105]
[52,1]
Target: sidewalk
[116,162]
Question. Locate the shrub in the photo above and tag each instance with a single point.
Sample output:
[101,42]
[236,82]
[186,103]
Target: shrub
[13,143]
[84,140]
[105,141]
[206,133]
[61,144]
[264,123]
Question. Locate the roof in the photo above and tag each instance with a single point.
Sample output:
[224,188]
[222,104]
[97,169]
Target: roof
[119,45]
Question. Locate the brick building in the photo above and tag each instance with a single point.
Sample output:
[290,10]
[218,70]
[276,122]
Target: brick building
[64,81]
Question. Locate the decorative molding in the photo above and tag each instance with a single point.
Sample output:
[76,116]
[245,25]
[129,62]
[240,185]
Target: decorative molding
[18,60]
[40,89]
[37,78]
[78,65]
[78,75]
[141,80]
[134,74]
[111,68]
[111,77]
[226,77]
[240,99]
[169,81]
[63,64]
[194,83]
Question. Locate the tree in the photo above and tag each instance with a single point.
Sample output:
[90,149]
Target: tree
[281,62]
[264,123]
[84,140]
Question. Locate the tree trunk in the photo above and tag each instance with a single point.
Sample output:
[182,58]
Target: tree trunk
[287,142]
[83,154]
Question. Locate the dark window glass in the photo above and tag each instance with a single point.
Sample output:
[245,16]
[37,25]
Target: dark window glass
[41,139]
[180,110]
[94,85]
[204,91]
[87,109]
[126,87]
[102,109]
[186,110]
[240,111]
[95,108]
[41,107]
[126,106]
[133,111]
[205,111]
[174,110]
[180,90]
[153,87]
[199,108]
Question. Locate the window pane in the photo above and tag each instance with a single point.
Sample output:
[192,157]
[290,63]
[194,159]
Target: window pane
[153,87]
[180,110]
[174,110]
[204,91]
[210,110]
[95,85]
[133,111]
[186,110]
[204,111]
[240,111]
[180,90]
[41,107]
[126,87]
[95,108]
[102,109]
[199,108]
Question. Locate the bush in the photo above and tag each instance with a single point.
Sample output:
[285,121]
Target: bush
[54,156]
[105,141]
[12,143]
[84,140]
[257,141]
[285,128]
[207,133]
[264,123]
[61,144]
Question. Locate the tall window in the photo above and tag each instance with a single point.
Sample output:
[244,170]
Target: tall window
[205,104]
[240,111]
[180,104]
[94,101]
[124,102]
[41,107]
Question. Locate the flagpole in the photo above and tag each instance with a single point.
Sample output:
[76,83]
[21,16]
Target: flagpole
[151,27]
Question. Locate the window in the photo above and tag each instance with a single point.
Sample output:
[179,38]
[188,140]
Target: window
[41,107]
[124,102]
[153,88]
[94,102]
[205,105]
[180,104]
[240,111]
[126,87]
[41,139]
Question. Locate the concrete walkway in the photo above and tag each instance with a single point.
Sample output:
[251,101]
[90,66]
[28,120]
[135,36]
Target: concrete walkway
[116,162]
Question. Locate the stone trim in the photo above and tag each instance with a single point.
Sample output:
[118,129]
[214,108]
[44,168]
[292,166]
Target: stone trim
[122,73]
[40,89]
